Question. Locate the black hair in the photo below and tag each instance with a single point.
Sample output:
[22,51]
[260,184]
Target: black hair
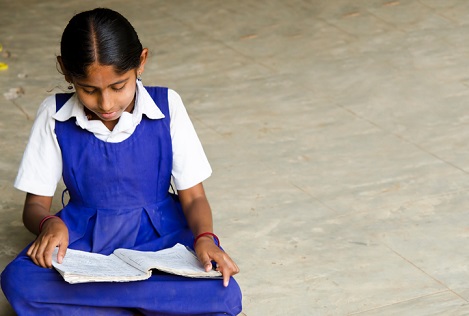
[100,35]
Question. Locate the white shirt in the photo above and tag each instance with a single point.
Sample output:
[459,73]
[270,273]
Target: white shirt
[41,167]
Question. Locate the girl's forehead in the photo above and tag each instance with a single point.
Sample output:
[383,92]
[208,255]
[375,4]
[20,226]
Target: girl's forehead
[97,69]
[98,75]
[100,72]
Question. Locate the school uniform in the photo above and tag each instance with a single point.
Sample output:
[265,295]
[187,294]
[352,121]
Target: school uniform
[118,186]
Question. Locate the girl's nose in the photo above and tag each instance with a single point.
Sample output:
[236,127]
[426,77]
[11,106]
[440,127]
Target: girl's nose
[105,103]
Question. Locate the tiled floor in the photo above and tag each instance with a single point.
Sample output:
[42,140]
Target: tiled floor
[338,132]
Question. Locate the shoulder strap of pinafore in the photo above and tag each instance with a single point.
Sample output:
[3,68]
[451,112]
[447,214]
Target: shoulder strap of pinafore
[160,96]
[61,99]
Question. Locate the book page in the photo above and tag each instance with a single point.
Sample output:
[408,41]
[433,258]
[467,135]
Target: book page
[79,266]
[177,260]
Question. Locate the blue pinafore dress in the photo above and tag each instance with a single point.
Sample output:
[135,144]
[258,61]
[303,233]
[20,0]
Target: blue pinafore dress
[119,198]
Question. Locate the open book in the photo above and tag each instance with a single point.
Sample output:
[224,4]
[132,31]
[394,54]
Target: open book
[129,265]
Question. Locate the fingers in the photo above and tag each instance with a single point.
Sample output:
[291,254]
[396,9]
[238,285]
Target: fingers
[62,250]
[225,264]
[206,261]
[32,253]
[47,257]
[42,249]
[226,279]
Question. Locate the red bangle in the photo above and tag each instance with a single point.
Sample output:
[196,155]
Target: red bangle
[215,238]
[44,220]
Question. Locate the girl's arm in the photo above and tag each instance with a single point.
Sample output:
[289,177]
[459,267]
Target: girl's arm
[53,233]
[199,217]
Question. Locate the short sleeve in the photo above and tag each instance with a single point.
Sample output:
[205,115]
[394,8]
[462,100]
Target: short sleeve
[190,164]
[41,167]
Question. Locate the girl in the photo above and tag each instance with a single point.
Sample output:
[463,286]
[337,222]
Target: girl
[116,145]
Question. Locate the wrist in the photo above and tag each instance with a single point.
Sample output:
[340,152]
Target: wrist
[44,220]
[210,235]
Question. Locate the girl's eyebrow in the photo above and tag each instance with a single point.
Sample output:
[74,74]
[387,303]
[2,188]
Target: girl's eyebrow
[112,84]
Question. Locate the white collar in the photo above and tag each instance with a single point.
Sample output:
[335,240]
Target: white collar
[144,104]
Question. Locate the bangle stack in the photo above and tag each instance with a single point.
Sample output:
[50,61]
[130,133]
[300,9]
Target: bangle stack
[44,220]
[215,238]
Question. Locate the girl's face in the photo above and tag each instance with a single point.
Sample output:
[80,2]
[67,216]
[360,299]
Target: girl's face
[107,94]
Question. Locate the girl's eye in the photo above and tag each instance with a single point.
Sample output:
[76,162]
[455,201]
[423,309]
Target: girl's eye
[118,88]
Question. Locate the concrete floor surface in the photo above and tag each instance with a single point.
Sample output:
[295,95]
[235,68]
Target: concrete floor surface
[338,132]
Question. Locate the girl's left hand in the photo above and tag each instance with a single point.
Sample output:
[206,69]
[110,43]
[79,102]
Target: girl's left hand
[207,251]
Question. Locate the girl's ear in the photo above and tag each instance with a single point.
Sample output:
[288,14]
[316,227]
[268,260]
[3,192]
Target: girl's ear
[67,77]
[143,60]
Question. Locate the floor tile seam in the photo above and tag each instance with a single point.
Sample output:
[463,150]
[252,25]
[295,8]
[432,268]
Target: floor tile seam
[255,60]
[442,14]
[168,69]
[252,59]
[337,27]
[423,149]
[22,110]
[433,10]
[437,12]
[315,198]
[424,272]
[338,214]
[401,301]
[196,118]
[411,201]
[402,138]
[391,24]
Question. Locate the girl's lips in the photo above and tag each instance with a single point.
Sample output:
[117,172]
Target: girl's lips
[108,115]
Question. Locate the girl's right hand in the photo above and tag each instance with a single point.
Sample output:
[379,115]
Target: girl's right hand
[54,233]
[207,252]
